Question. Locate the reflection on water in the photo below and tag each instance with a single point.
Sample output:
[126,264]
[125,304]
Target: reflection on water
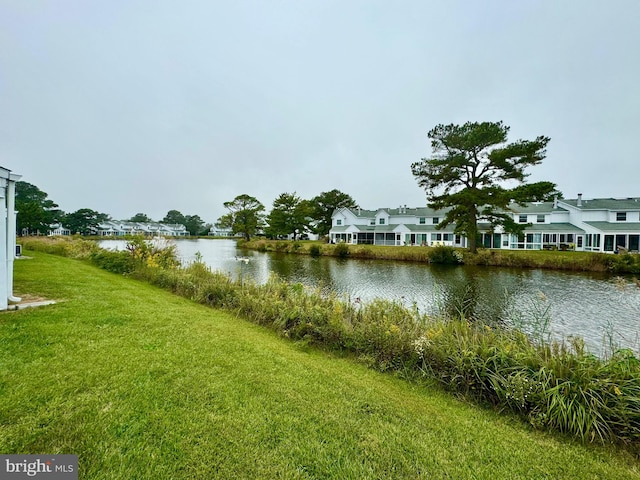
[594,306]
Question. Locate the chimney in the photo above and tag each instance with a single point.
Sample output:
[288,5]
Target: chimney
[579,200]
[555,201]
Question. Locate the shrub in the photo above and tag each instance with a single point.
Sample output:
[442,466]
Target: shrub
[314,250]
[341,250]
[158,252]
[444,255]
[116,262]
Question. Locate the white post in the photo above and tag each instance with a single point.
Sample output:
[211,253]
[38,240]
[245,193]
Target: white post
[11,234]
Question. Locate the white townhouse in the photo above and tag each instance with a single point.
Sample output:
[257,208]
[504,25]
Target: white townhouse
[220,232]
[392,226]
[7,235]
[598,225]
[609,224]
[116,228]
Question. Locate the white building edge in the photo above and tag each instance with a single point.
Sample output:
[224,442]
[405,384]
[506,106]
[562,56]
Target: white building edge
[7,235]
[596,225]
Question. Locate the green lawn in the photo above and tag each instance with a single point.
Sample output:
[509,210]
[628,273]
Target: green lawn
[142,384]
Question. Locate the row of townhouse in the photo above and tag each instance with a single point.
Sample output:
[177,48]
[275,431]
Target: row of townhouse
[597,225]
[115,228]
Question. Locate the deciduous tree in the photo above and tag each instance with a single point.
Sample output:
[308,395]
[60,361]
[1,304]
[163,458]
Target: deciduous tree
[324,205]
[289,215]
[194,224]
[174,217]
[140,217]
[36,212]
[475,173]
[245,215]
[84,221]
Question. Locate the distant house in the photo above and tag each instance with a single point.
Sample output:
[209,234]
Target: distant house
[598,225]
[7,235]
[220,232]
[119,228]
[58,230]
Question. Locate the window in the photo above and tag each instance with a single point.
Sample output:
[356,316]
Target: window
[381,221]
[338,222]
[608,243]
[436,237]
[540,219]
[372,222]
[621,216]
[436,220]
[447,237]
[522,219]
[423,220]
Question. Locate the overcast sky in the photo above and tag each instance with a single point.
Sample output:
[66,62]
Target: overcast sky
[126,106]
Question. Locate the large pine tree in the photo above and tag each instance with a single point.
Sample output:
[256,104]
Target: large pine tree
[476,174]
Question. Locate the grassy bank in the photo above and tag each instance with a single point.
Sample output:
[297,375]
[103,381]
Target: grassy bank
[557,386]
[557,260]
[144,384]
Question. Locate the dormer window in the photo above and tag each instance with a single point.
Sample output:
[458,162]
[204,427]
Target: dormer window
[436,220]
[621,216]
[522,219]
[422,220]
[372,222]
[381,221]
[338,222]
[540,219]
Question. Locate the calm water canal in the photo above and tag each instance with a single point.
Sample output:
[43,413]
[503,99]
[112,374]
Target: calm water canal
[600,308]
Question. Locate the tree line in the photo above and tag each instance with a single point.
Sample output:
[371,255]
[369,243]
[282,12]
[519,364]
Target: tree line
[246,216]
[37,213]
[290,215]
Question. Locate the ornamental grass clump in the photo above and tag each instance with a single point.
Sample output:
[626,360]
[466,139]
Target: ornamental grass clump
[557,386]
